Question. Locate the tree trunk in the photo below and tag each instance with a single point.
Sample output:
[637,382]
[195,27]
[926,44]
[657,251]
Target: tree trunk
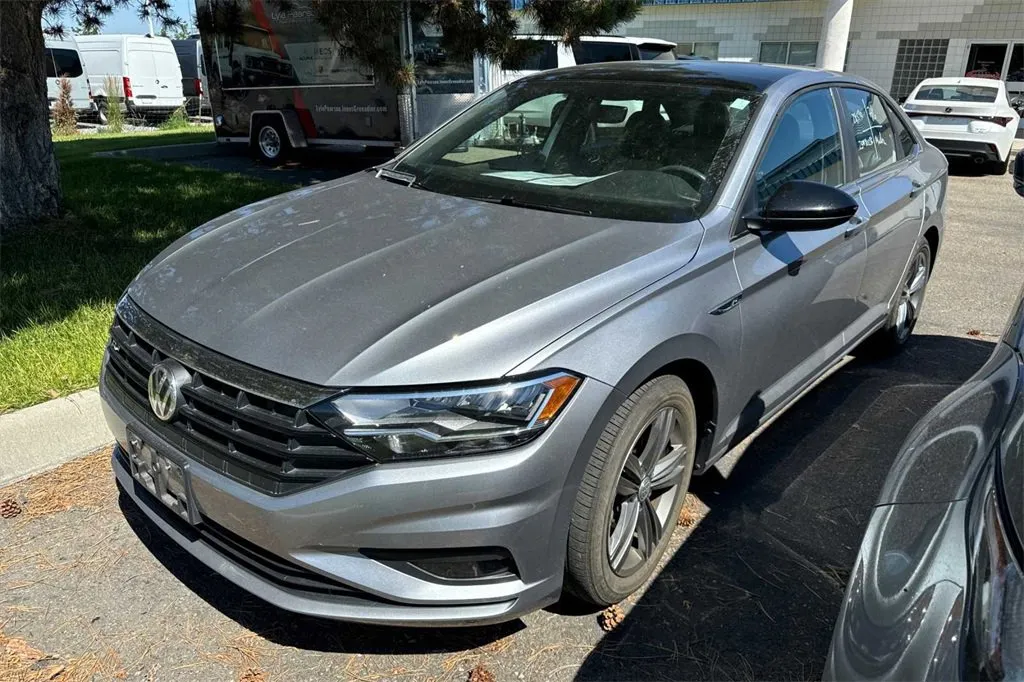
[29,176]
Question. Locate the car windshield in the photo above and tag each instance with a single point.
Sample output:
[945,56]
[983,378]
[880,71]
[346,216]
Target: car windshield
[957,93]
[614,149]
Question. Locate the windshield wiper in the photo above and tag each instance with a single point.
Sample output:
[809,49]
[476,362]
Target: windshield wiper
[519,203]
[398,177]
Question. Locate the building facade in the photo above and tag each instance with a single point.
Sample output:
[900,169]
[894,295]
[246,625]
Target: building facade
[895,43]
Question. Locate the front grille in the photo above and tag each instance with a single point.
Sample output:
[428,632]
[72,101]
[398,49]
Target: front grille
[266,444]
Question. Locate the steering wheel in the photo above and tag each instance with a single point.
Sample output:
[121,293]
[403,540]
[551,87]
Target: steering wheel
[681,170]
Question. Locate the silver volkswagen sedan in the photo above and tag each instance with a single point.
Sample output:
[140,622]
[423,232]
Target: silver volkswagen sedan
[444,391]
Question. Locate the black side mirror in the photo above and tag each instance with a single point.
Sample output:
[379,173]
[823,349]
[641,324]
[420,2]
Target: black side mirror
[1018,173]
[801,205]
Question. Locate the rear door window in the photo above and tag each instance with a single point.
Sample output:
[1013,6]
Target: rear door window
[62,63]
[905,141]
[594,52]
[544,57]
[872,130]
[656,51]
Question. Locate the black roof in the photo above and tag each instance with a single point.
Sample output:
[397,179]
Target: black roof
[740,75]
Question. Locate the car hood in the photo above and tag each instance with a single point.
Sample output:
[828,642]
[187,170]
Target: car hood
[364,282]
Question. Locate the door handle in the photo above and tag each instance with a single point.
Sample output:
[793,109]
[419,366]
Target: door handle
[917,187]
[728,305]
[856,225]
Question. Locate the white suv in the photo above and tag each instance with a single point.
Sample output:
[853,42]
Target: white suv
[966,118]
[552,53]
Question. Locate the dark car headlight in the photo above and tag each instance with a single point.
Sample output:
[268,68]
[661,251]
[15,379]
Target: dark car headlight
[449,421]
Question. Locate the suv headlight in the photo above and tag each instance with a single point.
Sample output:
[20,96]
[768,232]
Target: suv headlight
[446,422]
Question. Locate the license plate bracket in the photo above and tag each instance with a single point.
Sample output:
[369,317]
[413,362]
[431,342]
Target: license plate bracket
[164,475]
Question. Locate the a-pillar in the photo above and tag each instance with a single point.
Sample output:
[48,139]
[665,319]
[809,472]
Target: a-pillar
[835,34]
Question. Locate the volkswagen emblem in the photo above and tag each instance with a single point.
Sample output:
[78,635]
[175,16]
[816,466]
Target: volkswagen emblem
[165,382]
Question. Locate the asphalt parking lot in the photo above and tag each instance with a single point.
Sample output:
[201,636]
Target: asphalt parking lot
[750,590]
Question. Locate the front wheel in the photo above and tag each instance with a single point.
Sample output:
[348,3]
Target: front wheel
[632,492]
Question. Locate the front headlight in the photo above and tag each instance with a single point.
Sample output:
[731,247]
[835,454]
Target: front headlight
[447,422]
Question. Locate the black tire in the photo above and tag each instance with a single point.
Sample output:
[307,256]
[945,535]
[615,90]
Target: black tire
[265,131]
[999,167]
[894,335]
[600,506]
[101,112]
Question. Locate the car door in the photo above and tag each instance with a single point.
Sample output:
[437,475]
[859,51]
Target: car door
[891,184]
[800,288]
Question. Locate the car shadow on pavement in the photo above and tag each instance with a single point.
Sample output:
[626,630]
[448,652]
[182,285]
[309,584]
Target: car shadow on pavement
[754,591]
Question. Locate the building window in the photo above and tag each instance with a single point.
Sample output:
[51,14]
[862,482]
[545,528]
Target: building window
[986,60]
[997,61]
[707,50]
[915,61]
[799,53]
[1015,72]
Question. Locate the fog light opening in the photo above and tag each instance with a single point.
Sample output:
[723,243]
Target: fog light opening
[470,565]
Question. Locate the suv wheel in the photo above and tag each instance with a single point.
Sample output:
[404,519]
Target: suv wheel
[632,492]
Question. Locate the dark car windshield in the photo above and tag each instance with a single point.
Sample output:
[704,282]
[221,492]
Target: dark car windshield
[615,149]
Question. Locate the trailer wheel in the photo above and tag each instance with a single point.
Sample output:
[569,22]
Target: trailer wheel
[269,140]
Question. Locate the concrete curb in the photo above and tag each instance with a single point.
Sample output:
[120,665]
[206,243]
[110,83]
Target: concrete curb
[169,152]
[43,436]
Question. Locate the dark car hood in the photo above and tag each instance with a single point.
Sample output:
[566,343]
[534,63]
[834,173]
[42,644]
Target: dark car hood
[364,282]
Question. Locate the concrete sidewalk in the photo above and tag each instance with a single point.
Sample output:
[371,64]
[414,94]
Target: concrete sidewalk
[43,436]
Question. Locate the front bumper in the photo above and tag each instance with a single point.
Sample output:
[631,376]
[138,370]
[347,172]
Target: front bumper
[513,500]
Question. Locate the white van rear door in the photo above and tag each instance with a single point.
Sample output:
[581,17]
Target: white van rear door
[142,76]
[153,86]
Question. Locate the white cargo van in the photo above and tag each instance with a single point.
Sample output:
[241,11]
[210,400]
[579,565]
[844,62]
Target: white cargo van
[146,69]
[63,61]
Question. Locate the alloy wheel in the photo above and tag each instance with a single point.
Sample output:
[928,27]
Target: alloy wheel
[911,296]
[648,485]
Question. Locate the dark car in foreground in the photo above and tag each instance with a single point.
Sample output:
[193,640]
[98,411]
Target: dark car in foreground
[442,391]
[937,590]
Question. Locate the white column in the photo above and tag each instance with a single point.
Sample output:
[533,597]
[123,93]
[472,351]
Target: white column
[835,34]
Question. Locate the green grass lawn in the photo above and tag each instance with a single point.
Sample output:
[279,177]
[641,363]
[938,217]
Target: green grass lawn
[59,282]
